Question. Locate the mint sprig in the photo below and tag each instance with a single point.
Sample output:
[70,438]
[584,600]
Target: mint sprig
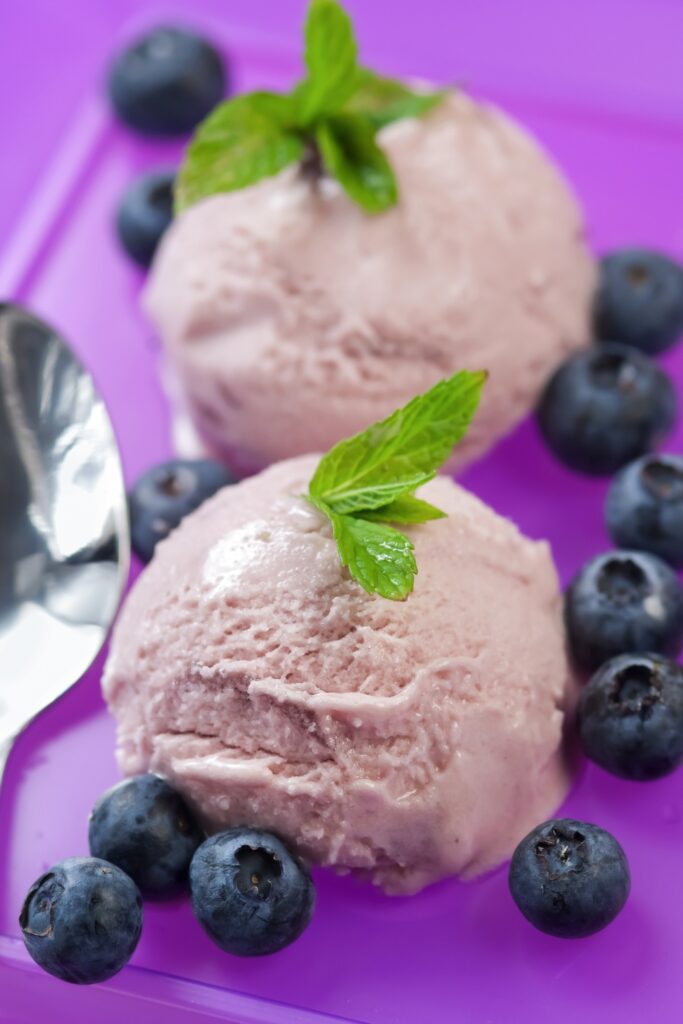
[333,114]
[350,152]
[380,558]
[331,58]
[238,144]
[367,482]
[384,100]
[406,510]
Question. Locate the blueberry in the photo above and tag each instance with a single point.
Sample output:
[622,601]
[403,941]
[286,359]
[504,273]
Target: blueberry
[569,878]
[167,493]
[605,407]
[644,507]
[620,602]
[631,716]
[145,827]
[167,81]
[639,300]
[81,921]
[145,212]
[250,894]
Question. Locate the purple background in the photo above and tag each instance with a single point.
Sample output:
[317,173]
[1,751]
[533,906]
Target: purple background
[601,83]
[620,54]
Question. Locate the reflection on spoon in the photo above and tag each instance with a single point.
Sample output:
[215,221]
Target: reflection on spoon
[64,543]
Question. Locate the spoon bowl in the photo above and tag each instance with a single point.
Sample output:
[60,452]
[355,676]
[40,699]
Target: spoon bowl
[64,536]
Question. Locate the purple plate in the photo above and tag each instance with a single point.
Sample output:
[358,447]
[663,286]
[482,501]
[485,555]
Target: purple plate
[456,952]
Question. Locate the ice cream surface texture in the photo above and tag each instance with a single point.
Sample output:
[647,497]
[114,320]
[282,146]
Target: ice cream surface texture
[293,319]
[403,740]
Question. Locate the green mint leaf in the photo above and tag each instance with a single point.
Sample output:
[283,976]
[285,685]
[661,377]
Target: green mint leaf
[242,141]
[404,510]
[378,557]
[365,496]
[413,442]
[384,100]
[414,105]
[331,61]
[351,154]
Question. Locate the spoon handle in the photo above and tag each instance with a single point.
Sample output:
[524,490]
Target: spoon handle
[6,743]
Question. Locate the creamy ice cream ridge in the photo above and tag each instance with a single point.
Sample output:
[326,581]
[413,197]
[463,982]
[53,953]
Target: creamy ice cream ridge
[292,318]
[404,741]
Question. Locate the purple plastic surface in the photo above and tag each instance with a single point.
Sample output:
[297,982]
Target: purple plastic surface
[456,952]
[623,55]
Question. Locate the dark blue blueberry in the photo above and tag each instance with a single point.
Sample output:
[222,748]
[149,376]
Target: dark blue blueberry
[167,81]
[165,494]
[639,300]
[644,507]
[569,878]
[605,407]
[145,827]
[250,894]
[145,212]
[621,602]
[81,921]
[631,716]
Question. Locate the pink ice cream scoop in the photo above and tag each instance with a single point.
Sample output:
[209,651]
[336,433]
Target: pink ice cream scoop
[291,318]
[404,741]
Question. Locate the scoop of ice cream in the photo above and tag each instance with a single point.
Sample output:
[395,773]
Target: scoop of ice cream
[408,741]
[293,319]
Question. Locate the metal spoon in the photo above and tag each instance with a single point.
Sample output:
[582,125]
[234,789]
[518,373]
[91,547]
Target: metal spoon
[64,540]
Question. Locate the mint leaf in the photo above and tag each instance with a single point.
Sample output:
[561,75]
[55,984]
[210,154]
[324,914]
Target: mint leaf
[385,460]
[405,510]
[374,92]
[350,153]
[331,61]
[368,480]
[365,495]
[336,110]
[384,100]
[378,557]
[242,141]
